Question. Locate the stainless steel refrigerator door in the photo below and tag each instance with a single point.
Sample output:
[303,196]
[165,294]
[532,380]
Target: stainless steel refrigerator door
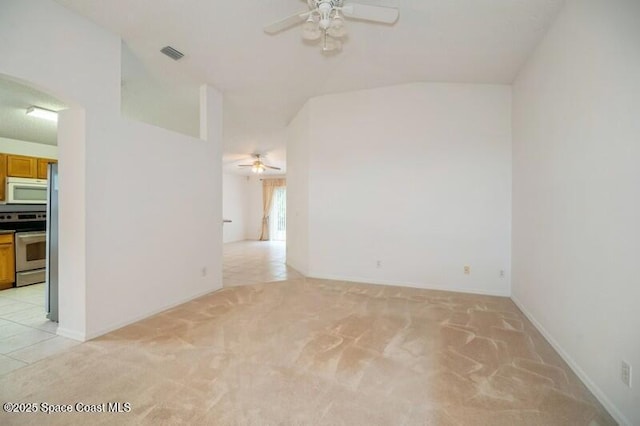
[52,243]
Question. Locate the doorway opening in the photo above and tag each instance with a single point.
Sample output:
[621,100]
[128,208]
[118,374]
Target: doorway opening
[255,209]
[28,251]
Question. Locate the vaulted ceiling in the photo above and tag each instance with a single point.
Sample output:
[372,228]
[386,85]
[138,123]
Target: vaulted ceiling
[266,79]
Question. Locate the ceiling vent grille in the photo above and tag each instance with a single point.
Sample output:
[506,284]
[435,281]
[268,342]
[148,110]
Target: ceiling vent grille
[172,53]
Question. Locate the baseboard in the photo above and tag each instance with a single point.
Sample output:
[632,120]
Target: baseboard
[409,284]
[71,334]
[595,389]
[120,324]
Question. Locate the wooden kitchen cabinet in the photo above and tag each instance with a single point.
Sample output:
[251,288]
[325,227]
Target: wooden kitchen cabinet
[3,177]
[42,166]
[21,166]
[7,261]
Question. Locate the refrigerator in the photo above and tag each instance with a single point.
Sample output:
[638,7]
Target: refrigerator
[52,243]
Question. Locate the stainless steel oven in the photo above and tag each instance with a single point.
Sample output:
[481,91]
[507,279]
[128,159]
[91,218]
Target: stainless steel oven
[31,257]
[30,242]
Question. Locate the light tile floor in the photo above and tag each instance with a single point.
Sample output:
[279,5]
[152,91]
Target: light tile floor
[26,335]
[254,262]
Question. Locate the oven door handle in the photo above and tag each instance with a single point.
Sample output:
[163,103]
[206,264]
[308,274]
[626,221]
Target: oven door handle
[30,238]
[27,273]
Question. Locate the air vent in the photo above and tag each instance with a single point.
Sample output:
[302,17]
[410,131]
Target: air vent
[172,53]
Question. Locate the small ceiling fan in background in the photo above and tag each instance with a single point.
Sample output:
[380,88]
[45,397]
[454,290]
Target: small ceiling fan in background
[325,20]
[258,166]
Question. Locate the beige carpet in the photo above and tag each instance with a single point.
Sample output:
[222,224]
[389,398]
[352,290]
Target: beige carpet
[310,352]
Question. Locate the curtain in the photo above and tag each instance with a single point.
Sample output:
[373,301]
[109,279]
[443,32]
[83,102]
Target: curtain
[268,186]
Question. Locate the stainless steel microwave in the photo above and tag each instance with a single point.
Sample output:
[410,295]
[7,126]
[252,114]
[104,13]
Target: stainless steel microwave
[26,191]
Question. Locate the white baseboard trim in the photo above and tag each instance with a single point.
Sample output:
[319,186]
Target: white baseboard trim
[409,284]
[120,324]
[71,334]
[597,392]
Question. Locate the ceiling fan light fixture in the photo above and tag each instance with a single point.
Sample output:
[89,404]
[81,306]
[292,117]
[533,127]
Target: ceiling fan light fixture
[310,30]
[331,44]
[327,17]
[325,23]
[337,28]
[258,167]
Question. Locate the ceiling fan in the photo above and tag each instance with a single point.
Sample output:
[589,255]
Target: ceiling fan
[258,166]
[325,20]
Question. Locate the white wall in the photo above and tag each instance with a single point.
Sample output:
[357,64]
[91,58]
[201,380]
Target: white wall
[124,254]
[156,101]
[242,203]
[415,176]
[298,143]
[31,149]
[72,241]
[253,225]
[576,204]
[235,201]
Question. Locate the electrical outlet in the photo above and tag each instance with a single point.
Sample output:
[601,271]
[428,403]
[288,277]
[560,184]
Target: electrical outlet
[467,270]
[625,373]
[204,271]
[502,273]
[379,264]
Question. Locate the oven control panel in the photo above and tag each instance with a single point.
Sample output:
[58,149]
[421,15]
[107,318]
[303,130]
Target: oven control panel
[22,217]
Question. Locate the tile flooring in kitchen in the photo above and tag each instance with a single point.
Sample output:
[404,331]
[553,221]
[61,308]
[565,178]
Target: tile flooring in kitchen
[26,335]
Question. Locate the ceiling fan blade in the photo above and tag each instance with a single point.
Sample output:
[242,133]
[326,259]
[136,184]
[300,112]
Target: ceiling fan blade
[245,165]
[271,167]
[365,12]
[286,23]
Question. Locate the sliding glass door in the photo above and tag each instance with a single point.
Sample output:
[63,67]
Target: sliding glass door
[278,215]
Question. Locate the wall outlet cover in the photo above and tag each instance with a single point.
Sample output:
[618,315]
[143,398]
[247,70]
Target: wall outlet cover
[625,373]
